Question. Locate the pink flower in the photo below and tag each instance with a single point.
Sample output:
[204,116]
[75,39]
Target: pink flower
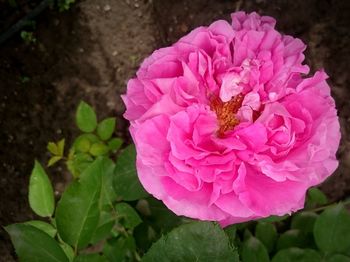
[225,126]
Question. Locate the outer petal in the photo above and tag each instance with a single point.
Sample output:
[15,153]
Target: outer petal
[267,197]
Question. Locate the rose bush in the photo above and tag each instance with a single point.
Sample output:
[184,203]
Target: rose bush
[226,126]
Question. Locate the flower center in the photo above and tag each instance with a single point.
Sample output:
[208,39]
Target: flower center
[226,112]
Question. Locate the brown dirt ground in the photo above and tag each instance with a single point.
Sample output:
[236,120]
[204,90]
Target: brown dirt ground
[89,53]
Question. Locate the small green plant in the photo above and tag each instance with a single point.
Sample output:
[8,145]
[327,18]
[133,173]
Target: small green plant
[28,37]
[64,5]
[104,215]
[24,79]
[95,141]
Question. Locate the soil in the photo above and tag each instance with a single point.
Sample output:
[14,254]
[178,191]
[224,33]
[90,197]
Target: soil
[89,52]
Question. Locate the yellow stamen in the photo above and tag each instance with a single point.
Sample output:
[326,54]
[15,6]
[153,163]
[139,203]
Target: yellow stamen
[226,112]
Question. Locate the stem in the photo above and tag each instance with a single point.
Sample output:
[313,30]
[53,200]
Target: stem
[51,220]
[137,256]
[346,202]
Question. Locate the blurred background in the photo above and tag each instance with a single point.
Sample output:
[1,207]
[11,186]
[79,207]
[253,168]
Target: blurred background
[54,55]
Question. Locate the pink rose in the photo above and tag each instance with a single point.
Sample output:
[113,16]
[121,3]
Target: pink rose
[225,126]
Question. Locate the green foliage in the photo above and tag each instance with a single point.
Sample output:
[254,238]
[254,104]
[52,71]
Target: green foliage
[304,221]
[106,128]
[126,182]
[24,79]
[337,258]
[68,250]
[108,196]
[105,208]
[64,5]
[127,216]
[33,245]
[77,212]
[98,149]
[86,118]
[120,249]
[163,219]
[83,143]
[56,150]
[43,226]
[90,258]
[28,37]
[95,141]
[78,162]
[297,255]
[197,241]
[105,225]
[318,234]
[332,230]
[291,238]
[114,144]
[254,251]
[267,234]
[315,197]
[41,197]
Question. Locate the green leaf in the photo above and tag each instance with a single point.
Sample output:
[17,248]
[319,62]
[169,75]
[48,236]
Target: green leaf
[33,245]
[332,230]
[197,241]
[90,258]
[247,234]
[98,149]
[41,197]
[126,183]
[83,145]
[267,234]
[272,219]
[53,160]
[43,226]
[254,251]
[292,238]
[315,197]
[127,216]
[106,128]
[105,225]
[144,236]
[77,212]
[231,232]
[82,161]
[297,255]
[60,147]
[114,144]
[86,118]
[78,163]
[70,163]
[337,258]
[245,225]
[304,221]
[116,250]
[80,142]
[68,250]
[108,196]
[53,149]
